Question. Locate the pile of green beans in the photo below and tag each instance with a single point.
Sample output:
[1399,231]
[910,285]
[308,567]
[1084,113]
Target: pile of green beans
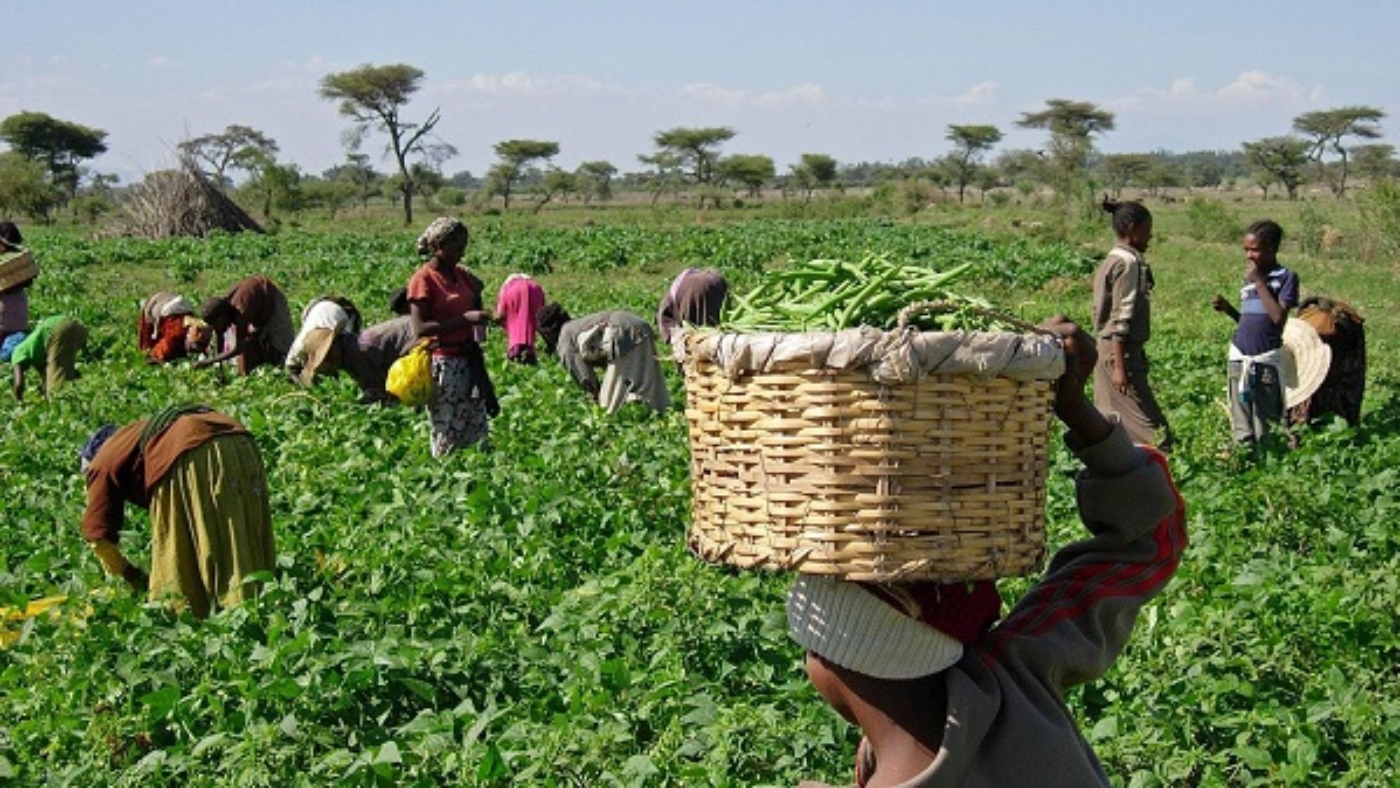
[827,294]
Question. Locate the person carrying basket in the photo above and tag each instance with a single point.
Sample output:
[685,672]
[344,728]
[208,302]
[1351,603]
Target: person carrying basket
[946,694]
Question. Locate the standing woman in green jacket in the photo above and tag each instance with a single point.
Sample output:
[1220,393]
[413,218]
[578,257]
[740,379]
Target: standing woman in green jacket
[1122,325]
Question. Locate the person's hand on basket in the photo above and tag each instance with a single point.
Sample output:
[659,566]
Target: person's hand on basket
[1086,424]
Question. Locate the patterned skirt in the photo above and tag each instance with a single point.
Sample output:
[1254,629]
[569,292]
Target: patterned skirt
[458,411]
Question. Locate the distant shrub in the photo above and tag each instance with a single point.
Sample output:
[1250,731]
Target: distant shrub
[1311,230]
[1380,214]
[450,196]
[1210,220]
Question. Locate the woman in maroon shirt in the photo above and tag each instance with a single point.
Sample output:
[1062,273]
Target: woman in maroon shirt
[251,322]
[445,304]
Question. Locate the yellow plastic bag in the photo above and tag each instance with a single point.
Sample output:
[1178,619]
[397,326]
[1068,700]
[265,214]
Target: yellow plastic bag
[411,376]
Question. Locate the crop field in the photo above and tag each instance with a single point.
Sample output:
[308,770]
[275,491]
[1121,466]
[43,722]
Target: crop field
[529,615]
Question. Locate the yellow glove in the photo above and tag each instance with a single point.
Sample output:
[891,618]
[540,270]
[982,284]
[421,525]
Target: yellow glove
[113,562]
[116,564]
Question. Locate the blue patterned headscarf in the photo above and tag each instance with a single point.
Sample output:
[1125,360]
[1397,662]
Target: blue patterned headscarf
[7,348]
[94,444]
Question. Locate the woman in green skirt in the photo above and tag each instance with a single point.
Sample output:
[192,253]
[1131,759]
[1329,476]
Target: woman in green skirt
[201,476]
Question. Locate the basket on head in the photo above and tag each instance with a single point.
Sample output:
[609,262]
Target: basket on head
[871,455]
[17,269]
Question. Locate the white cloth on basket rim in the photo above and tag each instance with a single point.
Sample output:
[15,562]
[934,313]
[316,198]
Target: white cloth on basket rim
[897,356]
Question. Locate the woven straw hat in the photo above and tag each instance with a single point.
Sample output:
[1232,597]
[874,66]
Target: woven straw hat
[322,355]
[1305,361]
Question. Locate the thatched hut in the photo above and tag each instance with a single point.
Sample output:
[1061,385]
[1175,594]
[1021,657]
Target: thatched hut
[181,202]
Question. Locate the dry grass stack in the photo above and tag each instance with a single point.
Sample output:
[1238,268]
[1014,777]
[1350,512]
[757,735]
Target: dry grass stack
[871,455]
[179,203]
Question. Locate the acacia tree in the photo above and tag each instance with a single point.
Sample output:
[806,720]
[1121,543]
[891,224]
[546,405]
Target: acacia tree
[515,156]
[59,145]
[814,171]
[1072,126]
[1279,158]
[692,151]
[1327,129]
[594,179]
[1375,161]
[556,182]
[373,96]
[751,171]
[970,144]
[669,174]
[273,185]
[237,147]
[357,172]
[1120,169]
[25,187]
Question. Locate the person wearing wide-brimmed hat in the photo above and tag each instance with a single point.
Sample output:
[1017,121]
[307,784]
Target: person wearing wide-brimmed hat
[334,313]
[251,322]
[201,476]
[943,696]
[1341,330]
[50,347]
[365,357]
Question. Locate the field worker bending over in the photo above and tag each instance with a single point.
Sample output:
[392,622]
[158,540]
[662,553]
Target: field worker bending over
[696,297]
[365,357]
[328,312]
[620,341]
[444,301]
[943,695]
[520,299]
[51,348]
[168,329]
[201,476]
[251,322]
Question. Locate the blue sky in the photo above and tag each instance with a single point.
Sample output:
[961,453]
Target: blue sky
[874,81]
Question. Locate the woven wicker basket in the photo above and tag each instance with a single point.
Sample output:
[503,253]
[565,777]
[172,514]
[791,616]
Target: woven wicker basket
[869,455]
[17,269]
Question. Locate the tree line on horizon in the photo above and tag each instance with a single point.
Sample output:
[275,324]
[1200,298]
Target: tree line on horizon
[44,170]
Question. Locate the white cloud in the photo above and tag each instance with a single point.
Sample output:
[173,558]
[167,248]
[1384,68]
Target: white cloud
[1252,88]
[981,93]
[519,83]
[162,63]
[808,94]
[715,95]
[1262,86]
[1182,115]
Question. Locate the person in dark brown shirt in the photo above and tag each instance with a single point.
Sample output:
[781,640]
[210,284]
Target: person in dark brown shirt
[696,297]
[251,322]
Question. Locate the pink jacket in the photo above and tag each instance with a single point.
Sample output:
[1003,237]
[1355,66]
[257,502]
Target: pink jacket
[520,298]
